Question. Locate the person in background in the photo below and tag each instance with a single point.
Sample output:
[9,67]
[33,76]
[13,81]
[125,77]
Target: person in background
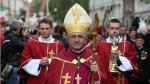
[90,40]
[58,34]
[11,52]
[124,33]
[3,28]
[143,61]
[132,34]
[147,38]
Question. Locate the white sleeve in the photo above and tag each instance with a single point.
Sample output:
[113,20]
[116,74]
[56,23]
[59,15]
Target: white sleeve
[49,60]
[125,64]
[32,67]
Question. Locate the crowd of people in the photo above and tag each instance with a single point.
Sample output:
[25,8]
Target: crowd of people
[65,53]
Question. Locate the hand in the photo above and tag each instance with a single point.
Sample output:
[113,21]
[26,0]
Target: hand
[44,61]
[94,67]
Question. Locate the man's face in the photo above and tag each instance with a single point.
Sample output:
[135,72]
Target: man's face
[45,30]
[123,30]
[139,42]
[98,38]
[132,34]
[2,28]
[148,29]
[113,29]
[76,41]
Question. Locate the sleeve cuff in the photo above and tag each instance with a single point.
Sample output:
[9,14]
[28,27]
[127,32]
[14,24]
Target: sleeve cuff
[125,64]
[49,60]
[32,67]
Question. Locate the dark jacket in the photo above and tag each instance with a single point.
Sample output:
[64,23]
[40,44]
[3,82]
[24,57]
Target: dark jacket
[144,67]
[12,47]
[147,40]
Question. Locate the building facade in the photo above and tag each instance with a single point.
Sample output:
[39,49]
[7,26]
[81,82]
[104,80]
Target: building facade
[124,10]
[106,9]
[13,7]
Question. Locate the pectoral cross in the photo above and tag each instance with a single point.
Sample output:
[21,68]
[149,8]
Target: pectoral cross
[78,78]
[66,78]
[52,53]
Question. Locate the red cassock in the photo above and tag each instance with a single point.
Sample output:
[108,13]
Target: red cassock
[36,50]
[63,68]
[2,38]
[104,51]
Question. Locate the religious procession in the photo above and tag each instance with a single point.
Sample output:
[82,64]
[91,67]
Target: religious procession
[75,41]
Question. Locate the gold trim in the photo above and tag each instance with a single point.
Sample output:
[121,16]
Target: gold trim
[47,50]
[62,69]
[73,61]
[88,58]
[76,28]
[57,47]
[62,60]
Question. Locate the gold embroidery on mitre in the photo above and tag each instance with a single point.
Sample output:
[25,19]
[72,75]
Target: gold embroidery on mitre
[77,20]
[76,14]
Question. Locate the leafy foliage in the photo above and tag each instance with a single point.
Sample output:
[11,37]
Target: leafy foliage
[144,1]
[63,6]
[58,8]
[37,4]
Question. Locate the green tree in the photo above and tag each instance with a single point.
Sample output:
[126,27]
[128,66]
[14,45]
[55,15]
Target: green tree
[145,1]
[58,8]
[37,4]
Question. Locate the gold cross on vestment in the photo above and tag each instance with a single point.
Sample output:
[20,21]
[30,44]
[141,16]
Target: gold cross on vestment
[52,53]
[66,78]
[78,78]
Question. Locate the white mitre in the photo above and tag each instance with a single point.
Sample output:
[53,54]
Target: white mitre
[77,20]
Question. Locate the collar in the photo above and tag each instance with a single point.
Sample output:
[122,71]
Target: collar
[140,48]
[49,39]
[77,54]
[123,37]
[110,39]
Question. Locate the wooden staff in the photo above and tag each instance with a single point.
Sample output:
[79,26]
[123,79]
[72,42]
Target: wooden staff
[94,33]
